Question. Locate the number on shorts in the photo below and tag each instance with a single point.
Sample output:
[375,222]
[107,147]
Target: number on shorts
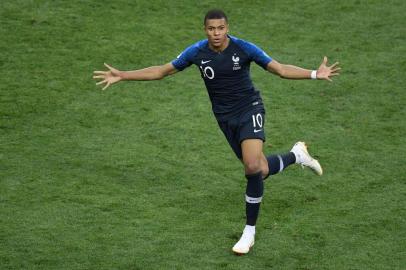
[257,120]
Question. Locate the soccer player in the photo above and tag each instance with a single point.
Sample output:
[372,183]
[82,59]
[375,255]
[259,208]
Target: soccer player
[224,62]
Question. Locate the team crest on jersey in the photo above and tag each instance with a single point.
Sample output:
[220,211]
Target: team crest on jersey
[236,61]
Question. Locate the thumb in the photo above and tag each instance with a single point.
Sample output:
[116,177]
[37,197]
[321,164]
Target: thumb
[109,67]
[325,60]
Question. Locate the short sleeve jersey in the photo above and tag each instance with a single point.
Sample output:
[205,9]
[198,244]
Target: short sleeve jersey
[226,74]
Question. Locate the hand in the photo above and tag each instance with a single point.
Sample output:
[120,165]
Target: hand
[325,72]
[108,77]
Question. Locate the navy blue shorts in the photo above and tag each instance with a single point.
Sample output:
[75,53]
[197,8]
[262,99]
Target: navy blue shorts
[248,125]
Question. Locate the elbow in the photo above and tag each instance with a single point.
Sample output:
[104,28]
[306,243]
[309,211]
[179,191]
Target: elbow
[160,74]
[154,76]
[282,73]
[278,69]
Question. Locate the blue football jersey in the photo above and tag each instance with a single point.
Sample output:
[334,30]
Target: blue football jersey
[226,74]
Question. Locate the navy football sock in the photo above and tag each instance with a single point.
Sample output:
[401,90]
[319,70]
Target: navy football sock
[253,197]
[278,163]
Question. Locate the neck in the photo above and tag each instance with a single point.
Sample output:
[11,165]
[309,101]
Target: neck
[222,47]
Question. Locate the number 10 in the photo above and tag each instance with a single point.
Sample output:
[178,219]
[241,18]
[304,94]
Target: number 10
[257,120]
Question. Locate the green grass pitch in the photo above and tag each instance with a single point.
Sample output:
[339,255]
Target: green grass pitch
[140,177]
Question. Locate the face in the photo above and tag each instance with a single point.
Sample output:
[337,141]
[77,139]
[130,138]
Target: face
[216,31]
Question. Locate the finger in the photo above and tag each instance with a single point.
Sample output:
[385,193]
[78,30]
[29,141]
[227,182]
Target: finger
[334,74]
[101,82]
[99,72]
[335,70]
[334,65]
[107,85]
[99,77]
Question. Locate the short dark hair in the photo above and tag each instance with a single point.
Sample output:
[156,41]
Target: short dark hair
[215,14]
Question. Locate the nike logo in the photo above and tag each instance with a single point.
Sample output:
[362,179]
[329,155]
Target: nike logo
[257,130]
[205,62]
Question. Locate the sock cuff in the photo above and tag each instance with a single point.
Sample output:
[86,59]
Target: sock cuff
[249,199]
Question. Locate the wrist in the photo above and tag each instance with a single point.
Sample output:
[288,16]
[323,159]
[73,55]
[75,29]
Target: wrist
[313,75]
[122,75]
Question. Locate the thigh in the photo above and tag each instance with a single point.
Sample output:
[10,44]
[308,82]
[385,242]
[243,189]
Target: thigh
[251,149]
[253,157]
[249,125]
[252,137]
[252,125]
[230,131]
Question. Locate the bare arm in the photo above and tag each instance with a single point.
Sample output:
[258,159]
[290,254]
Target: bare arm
[113,75]
[324,72]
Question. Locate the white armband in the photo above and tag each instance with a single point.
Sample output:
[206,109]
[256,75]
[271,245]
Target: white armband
[313,75]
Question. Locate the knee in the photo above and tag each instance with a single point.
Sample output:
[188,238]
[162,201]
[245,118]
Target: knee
[252,165]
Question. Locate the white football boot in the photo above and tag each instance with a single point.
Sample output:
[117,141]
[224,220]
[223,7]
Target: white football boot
[303,158]
[246,241]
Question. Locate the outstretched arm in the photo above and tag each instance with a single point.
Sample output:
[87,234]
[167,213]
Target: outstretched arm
[324,72]
[113,75]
